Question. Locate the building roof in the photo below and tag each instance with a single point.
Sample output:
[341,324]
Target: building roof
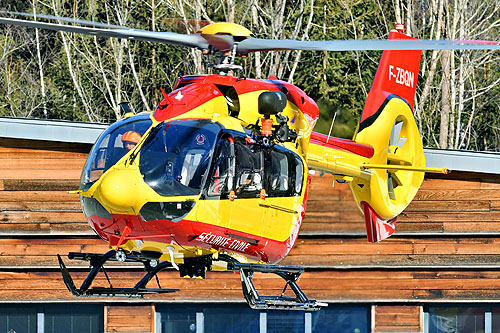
[463,160]
[82,132]
[50,130]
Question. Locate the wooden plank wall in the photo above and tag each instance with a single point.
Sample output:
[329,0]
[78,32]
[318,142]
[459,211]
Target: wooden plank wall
[129,318]
[34,179]
[446,247]
[397,318]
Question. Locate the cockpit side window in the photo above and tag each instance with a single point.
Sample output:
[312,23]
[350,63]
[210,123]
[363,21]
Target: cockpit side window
[299,175]
[111,146]
[279,172]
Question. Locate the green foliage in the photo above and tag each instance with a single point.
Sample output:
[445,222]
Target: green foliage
[99,73]
[341,80]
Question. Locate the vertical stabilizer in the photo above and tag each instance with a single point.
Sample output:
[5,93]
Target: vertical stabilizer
[388,125]
[396,75]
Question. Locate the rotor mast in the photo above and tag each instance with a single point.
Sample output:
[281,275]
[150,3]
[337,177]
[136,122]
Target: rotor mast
[224,38]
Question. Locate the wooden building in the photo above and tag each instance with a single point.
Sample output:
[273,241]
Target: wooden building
[439,271]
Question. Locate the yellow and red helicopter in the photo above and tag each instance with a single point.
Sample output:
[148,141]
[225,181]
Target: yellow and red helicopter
[216,178]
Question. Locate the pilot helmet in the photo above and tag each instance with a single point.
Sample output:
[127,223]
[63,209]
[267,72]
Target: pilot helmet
[131,136]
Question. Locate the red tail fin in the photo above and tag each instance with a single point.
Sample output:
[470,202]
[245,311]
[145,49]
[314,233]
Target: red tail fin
[377,228]
[397,75]
[388,125]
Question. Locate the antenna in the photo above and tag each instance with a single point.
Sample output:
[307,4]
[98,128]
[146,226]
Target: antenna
[331,126]
[125,107]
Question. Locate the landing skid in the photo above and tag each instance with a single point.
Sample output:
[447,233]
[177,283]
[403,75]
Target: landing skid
[195,267]
[97,262]
[290,274]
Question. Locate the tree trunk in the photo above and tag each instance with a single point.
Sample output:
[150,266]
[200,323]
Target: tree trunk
[255,22]
[445,100]
[304,36]
[40,67]
[432,70]
[397,11]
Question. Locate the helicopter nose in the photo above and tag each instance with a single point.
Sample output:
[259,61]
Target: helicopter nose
[120,190]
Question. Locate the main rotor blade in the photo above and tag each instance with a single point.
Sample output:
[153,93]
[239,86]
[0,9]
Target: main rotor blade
[252,44]
[67,19]
[195,41]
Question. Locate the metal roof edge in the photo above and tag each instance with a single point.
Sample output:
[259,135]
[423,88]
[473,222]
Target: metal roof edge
[50,130]
[86,132]
[463,160]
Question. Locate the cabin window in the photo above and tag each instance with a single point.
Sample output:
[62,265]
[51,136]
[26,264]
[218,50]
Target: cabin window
[247,168]
[284,172]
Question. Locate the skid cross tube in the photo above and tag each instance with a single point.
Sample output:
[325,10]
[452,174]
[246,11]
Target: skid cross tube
[151,273]
[97,262]
[290,274]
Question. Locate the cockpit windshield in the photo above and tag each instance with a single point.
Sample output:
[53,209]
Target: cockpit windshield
[176,155]
[111,146]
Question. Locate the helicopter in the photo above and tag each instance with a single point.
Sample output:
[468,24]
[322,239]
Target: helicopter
[216,177]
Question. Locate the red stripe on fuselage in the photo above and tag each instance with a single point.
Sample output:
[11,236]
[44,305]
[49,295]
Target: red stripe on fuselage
[341,144]
[193,233]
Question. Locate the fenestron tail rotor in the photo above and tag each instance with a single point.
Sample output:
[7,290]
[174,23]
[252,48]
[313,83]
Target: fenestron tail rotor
[396,143]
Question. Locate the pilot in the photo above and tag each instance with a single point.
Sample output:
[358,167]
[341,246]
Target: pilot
[130,139]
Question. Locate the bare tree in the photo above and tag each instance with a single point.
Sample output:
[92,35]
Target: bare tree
[445,99]
[40,66]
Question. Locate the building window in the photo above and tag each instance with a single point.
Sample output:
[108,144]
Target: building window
[74,318]
[235,318]
[355,319]
[17,318]
[178,318]
[470,319]
[279,321]
[210,318]
[49,318]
